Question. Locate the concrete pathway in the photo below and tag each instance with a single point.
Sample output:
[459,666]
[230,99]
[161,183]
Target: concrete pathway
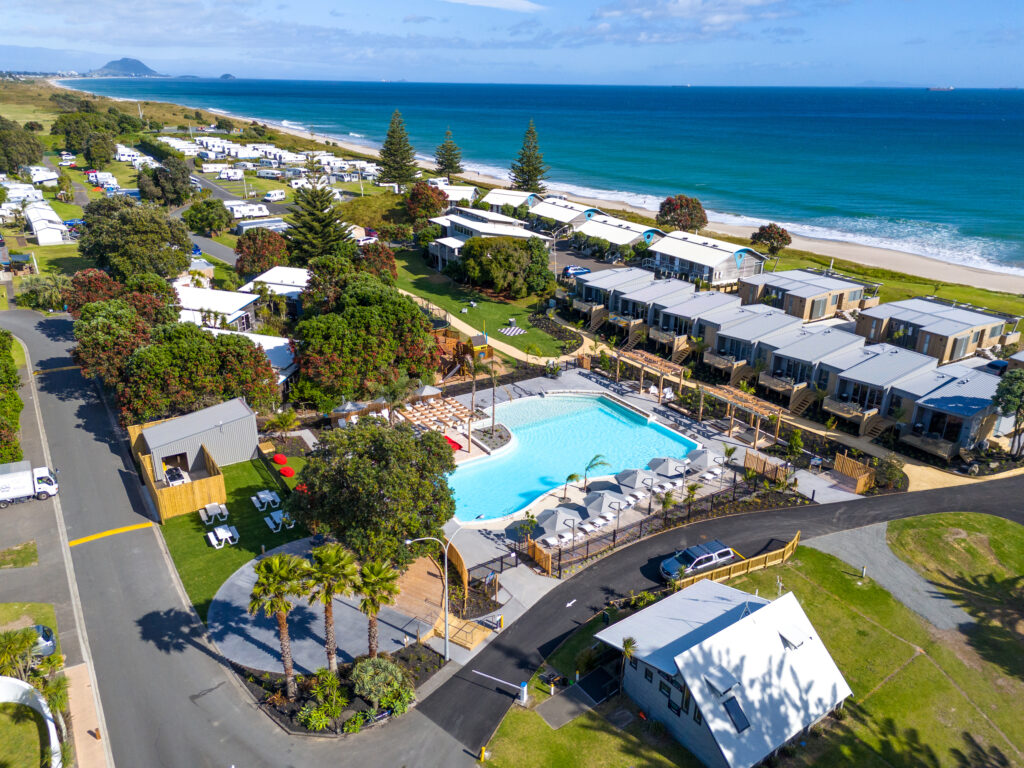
[565,706]
[252,641]
[867,546]
[821,487]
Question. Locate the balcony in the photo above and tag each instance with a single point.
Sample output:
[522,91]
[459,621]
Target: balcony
[624,321]
[722,362]
[936,446]
[782,384]
[663,336]
[852,411]
[585,306]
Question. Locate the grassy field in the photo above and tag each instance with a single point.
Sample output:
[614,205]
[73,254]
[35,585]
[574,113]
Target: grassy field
[23,736]
[58,259]
[19,556]
[17,351]
[416,277]
[375,210]
[227,239]
[201,567]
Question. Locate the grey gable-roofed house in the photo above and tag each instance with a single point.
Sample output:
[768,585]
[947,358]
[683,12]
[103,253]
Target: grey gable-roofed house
[227,431]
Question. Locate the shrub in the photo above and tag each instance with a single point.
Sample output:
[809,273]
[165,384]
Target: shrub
[354,724]
[313,718]
[377,678]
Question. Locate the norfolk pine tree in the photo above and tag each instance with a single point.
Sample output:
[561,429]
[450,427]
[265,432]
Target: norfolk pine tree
[529,171]
[316,229]
[448,157]
[397,157]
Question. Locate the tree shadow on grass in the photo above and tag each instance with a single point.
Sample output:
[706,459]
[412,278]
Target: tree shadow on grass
[997,605]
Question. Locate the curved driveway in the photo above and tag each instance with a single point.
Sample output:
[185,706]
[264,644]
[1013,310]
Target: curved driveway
[167,696]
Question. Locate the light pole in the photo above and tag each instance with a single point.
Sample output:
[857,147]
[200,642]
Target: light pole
[444,549]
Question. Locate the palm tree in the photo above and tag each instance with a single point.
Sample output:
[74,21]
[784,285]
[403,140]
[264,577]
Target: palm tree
[628,651]
[395,393]
[531,349]
[572,477]
[493,371]
[666,501]
[379,587]
[691,496]
[55,691]
[16,652]
[278,579]
[333,573]
[729,451]
[474,367]
[594,463]
[282,422]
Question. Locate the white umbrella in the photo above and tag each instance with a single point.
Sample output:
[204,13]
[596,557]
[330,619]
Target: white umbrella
[636,478]
[427,391]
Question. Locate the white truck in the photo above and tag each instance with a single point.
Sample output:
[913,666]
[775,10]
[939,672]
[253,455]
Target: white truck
[20,481]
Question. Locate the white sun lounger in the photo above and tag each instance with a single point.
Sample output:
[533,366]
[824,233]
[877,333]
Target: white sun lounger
[585,528]
[549,541]
[608,517]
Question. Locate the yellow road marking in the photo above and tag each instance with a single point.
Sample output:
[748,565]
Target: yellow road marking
[111,532]
[737,553]
[54,370]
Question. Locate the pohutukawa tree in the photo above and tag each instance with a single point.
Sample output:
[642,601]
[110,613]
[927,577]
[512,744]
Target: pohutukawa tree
[448,157]
[772,236]
[425,201]
[259,250]
[208,216]
[528,171]
[682,212]
[397,156]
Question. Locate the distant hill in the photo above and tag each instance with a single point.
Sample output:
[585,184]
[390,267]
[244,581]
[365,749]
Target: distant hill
[124,68]
[228,77]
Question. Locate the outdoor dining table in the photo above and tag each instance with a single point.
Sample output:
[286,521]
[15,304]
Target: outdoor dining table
[269,497]
[277,516]
[222,532]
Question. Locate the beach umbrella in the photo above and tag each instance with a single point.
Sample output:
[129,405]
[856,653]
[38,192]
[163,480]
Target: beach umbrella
[704,458]
[552,521]
[350,406]
[426,392]
[600,502]
[666,466]
[636,478]
[280,458]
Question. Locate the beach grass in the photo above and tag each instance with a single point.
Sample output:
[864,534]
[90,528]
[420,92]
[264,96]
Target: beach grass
[489,314]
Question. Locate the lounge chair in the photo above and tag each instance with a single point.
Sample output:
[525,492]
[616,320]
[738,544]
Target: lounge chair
[549,541]
[564,537]
[598,522]
[585,528]
[274,527]
[214,542]
[608,517]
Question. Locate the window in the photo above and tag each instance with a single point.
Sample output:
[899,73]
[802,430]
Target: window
[674,708]
[960,347]
[834,299]
[696,715]
[856,295]
[648,675]
[686,700]
[976,337]
[817,308]
[664,689]
[663,676]
[244,323]
[633,663]
[735,713]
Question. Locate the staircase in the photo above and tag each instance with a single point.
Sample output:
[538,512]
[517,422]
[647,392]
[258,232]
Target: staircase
[804,399]
[680,354]
[987,353]
[740,373]
[635,335]
[875,426]
[598,318]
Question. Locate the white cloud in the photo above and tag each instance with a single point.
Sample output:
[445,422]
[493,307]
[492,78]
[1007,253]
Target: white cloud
[521,6]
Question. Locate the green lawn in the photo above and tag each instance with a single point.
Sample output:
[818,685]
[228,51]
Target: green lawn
[23,736]
[416,277]
[375,209]
[19,556]
[296,463]
[201,567]
[17,351]
[227,239]
[58,259]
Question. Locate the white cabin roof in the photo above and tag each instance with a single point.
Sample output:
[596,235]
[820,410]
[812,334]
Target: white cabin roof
[699,249]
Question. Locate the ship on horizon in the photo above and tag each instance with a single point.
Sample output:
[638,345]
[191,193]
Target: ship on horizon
[943,88]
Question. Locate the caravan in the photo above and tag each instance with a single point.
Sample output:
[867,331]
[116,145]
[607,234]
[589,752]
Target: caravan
[274,196]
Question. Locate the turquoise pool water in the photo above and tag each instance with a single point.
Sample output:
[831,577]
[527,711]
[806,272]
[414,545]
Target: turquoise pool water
[553,437]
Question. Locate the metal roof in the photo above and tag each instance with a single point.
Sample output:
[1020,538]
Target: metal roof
[934,316]
[491,216]
[562,211]
[802,283]
[761,325]
[672,625]
[964,395]
[623,277]
[227,303]
[512,197]
[888,365]
[660,292]
[815,346]
[701,303]
[699,249]
[277,349]
[615,231]
[196,422]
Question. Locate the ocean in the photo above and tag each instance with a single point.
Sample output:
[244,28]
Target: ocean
[939,174]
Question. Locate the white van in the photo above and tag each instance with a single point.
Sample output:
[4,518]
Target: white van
[274,196]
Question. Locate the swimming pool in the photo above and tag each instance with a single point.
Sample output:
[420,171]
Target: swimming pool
[553,437]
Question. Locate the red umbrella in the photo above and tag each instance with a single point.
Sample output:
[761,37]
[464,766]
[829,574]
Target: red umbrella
[280,458]
[287,472]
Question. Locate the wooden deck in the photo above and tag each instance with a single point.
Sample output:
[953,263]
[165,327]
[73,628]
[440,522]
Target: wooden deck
[422,591]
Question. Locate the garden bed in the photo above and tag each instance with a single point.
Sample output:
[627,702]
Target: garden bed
[323,709]
[500,438]
[571,340]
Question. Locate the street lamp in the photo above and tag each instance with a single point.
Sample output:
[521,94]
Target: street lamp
[444,548]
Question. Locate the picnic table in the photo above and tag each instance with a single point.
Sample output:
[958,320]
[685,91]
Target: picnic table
[269,497]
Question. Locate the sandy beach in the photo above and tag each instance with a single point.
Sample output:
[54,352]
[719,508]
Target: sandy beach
[898,261]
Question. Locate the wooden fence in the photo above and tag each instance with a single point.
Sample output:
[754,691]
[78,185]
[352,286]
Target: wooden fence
[172,501]
[761,465]
[455,558]
[862,475]
[743,567]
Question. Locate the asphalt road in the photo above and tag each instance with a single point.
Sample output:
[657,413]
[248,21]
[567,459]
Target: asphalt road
[170,701]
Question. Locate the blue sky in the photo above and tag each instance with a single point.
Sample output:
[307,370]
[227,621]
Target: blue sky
[703,42]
